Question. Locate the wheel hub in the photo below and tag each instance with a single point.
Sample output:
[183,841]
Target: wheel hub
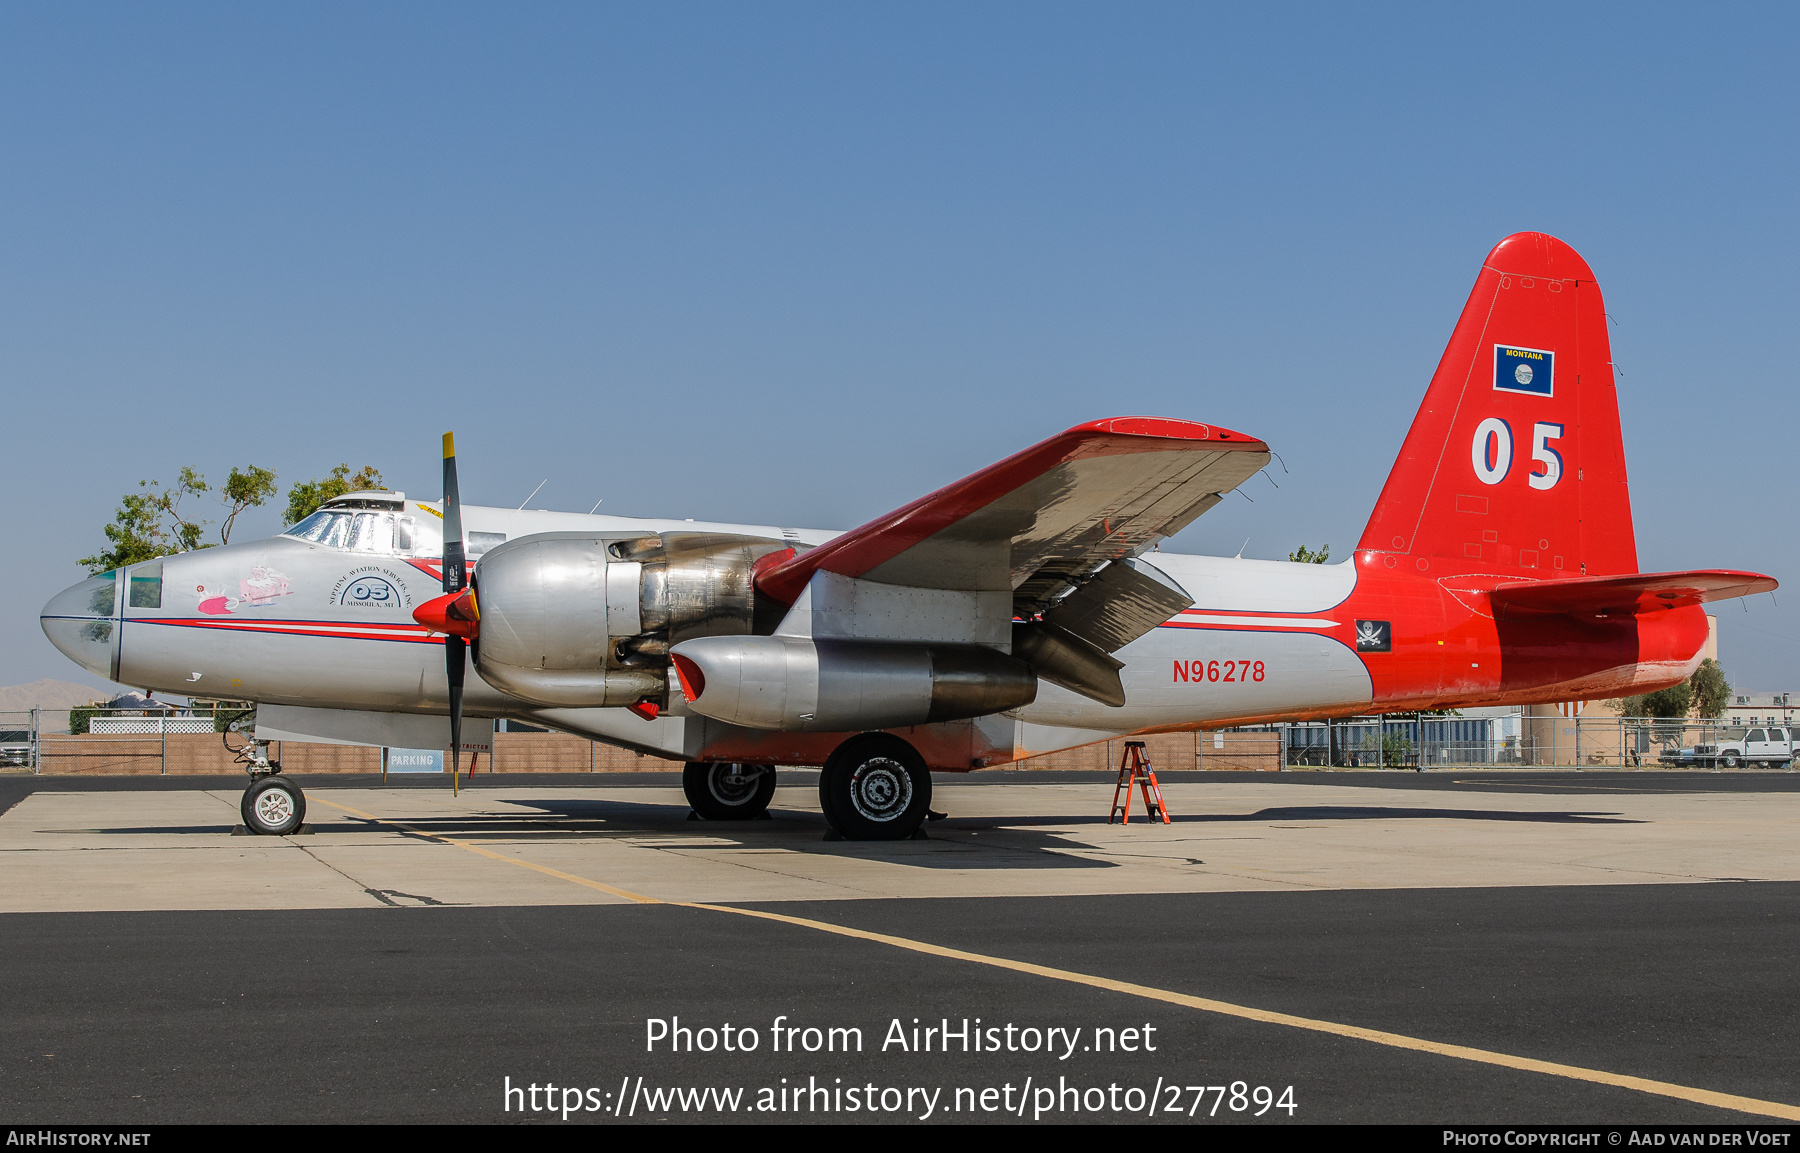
[881,789]
[274,807]
[733,784]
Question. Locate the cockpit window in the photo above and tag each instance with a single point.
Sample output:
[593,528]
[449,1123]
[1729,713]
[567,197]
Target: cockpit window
[314,527]
[146,586]
[373,532]
[361,531]
[99,593]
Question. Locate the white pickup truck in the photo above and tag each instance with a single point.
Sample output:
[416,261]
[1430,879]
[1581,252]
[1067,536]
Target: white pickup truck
[1775,747]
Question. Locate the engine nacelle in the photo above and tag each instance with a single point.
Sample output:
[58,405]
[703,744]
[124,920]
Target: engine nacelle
[797,684]
[578,620]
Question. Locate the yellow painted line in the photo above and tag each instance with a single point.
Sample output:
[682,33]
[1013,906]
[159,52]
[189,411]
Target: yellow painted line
[1751,1105]
[1225,1008]
[493,856]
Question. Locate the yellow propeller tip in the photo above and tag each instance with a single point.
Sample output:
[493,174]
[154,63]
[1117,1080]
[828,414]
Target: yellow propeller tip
[449,445]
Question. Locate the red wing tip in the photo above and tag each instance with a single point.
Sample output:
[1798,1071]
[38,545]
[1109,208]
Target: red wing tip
[1168,428]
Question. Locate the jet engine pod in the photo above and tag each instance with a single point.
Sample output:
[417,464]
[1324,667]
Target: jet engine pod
[805,685]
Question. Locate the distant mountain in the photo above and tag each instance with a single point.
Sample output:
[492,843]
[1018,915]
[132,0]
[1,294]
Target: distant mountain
[49,695]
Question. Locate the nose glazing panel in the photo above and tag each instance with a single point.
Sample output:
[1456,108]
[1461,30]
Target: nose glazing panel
[79,622]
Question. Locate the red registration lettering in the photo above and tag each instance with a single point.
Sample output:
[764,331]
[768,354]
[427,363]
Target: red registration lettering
[1231,672]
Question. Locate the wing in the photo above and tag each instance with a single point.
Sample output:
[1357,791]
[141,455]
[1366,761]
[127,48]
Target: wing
[1047,520]
[1638,594]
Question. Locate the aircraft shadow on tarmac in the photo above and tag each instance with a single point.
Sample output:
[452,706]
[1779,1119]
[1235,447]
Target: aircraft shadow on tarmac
[1018,842]
[1355,813]
[801,832]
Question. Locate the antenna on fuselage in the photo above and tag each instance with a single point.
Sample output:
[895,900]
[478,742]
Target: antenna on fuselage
[534,492]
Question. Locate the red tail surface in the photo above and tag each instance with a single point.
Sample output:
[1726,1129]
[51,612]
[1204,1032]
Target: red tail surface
[1514,465]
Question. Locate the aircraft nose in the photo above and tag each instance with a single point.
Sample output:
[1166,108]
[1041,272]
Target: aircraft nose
[81,621]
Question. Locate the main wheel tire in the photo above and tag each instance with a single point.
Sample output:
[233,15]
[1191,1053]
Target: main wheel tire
[273,807]
[875,787]
[1729,760]
[724,791]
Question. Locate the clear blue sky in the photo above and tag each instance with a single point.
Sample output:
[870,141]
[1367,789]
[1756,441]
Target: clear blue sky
[800,263]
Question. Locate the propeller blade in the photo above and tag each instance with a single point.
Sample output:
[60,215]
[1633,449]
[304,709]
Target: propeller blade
[455,571]
[454,668]
[456,578]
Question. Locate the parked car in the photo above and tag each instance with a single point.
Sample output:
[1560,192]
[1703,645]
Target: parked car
[15,748]
[1774,747]
[1770,746]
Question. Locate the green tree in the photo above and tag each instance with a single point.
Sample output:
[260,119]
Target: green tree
[1712,693]
[305,498]
[1669,703]
[1706,693]
[245,488]
[1307,556]
[138,530]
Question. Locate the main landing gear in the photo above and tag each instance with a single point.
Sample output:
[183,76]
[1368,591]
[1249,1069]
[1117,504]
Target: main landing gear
[726,791]
[272,806]
[875,787]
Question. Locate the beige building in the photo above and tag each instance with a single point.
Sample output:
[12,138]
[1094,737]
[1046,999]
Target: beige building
[1755,707]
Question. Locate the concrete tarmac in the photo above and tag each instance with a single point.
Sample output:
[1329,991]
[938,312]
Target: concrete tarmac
[415,951]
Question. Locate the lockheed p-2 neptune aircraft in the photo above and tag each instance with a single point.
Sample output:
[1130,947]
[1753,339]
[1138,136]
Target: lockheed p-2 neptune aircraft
[1017,611]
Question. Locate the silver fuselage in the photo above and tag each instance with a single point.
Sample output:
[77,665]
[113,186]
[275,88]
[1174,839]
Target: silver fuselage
[326,625]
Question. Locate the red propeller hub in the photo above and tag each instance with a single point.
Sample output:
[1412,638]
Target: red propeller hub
[455,614]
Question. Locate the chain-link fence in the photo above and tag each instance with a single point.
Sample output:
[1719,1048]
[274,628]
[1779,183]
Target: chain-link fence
[1542,738]
[190,741]
[187,740]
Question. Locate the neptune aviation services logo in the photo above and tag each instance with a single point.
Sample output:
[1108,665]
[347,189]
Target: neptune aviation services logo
[1526,370]
[371,587]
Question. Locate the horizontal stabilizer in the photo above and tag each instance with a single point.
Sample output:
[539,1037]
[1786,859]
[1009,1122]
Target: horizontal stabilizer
[1638,594]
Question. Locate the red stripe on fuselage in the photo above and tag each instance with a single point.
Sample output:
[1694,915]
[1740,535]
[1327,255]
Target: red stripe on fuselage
[343,630]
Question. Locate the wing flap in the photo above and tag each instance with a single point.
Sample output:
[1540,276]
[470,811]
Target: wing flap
[1635,594]
[1126,600]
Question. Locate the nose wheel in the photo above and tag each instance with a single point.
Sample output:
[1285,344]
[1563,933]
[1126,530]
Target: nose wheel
[273,807]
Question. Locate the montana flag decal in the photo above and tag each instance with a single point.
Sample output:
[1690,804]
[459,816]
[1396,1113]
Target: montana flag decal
[1526,370]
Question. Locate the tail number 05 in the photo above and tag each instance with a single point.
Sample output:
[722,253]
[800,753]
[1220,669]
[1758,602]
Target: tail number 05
[1491,453]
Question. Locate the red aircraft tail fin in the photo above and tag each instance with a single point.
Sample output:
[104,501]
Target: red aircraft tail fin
[1514,465]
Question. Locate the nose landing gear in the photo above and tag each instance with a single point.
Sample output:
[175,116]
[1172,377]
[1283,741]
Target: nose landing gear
[272,806]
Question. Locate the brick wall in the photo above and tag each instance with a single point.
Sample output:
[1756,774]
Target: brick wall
[203,753]
[1168,751]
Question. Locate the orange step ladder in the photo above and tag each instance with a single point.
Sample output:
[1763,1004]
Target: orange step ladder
[1134,769]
